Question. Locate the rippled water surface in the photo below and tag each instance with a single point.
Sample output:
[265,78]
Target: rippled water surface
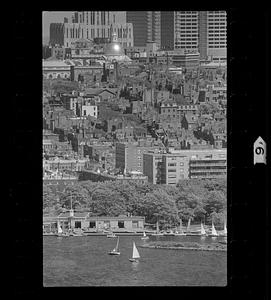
[83,261]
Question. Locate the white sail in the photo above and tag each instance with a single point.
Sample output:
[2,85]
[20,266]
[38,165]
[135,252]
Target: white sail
[117,246]
[202,230]
[213,229]
[59,229]
[135,251]
[157,227]
[188,225]
[225,228]
[144,234]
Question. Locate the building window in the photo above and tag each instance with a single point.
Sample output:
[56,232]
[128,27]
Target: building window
[92,224]
[134,224]
[77,224]
[121,224]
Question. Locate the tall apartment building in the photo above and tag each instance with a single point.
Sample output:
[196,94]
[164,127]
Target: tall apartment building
[151,167]
[205,31]
[167,30]
[186,30]
[95,24]
[213,35]
[146,26]
[179,30]
[129,156]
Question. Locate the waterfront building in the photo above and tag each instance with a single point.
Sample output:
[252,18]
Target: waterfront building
[83,220]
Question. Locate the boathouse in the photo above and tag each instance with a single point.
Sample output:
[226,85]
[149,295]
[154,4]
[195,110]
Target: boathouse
[82,220]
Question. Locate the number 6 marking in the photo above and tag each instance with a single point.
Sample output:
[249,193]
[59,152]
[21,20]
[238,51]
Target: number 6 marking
[259,150]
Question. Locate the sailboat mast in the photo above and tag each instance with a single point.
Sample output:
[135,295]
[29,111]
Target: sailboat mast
[117,246]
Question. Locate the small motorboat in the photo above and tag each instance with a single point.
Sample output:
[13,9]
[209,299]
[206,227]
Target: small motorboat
[111,235]
[115,251]
[170,233]
[144,237]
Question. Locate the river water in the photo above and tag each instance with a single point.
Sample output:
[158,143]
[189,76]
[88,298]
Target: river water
[84,261]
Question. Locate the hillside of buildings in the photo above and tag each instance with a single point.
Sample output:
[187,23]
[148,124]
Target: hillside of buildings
[134,134]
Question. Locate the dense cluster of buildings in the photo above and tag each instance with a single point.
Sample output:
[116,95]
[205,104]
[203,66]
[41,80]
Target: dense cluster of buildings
[136,96]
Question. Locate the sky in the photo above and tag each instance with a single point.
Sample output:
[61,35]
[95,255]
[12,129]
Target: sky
[52,17]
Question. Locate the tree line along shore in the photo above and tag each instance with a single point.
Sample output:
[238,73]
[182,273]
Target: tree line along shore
[200,200]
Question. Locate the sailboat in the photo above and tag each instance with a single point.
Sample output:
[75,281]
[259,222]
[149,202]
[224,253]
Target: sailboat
[115,251]
[157,230]
[180,232]
[144,237]
[136,256]
[213,233]
[224,232]
[60,231]
[202,230]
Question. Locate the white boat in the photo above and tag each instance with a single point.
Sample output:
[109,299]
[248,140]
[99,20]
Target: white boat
[115,251]
[180,232]
[157,230]
[202,230]
[224,232]
[213,233]
[145,237]
[136,256]
[171,233]
[111,235]
[60,232]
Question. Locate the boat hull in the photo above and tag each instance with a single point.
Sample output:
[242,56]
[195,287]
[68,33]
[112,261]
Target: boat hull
[133,260]
[114,253]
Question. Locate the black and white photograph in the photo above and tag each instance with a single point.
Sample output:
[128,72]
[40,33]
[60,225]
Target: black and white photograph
[134,148]
[138,142]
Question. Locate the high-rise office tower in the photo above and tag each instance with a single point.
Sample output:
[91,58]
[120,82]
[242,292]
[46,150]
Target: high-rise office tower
[179,30]
[167,30]
[97,24]
[213,35]
[186,30]
[205,31]
[146,26]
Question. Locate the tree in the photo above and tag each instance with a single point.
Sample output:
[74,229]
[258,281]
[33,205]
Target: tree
[49,198]
[74,196]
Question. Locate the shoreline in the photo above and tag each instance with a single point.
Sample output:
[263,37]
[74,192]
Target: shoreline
[181,248]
